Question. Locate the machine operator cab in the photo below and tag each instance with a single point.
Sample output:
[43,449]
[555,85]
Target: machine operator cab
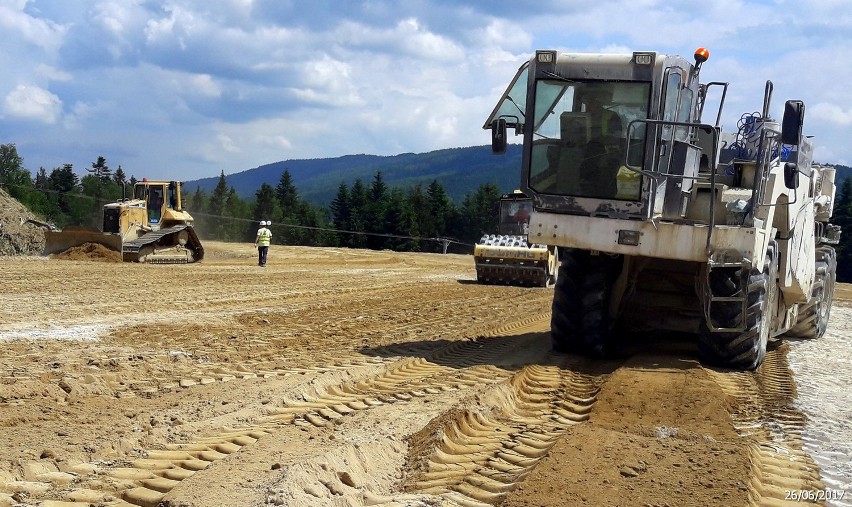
[584,118]
[515,211]
[159,197]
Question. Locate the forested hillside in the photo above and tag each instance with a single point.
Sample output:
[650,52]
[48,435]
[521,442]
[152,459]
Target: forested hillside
[458,170]
[843,174]
[368,213]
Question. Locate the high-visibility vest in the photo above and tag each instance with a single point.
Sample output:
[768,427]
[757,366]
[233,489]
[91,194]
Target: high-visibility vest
[264,235]
[607,117]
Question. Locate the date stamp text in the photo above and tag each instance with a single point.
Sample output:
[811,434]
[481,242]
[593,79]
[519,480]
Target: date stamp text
[814,495]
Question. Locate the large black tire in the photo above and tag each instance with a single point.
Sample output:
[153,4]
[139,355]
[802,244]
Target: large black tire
[741,350]
[580,322]
[813,315]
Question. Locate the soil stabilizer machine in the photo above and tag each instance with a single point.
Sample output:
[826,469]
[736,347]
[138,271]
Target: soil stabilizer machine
[152,227]
[663,221]
[507,257]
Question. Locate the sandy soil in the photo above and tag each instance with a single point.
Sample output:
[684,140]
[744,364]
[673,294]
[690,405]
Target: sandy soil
[350,378]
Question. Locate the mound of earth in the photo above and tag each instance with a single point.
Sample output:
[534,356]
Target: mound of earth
[18,237]
[89,252]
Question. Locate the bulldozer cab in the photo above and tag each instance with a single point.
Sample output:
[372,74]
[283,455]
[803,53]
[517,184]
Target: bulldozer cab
[156,202]
[515,211]
[159,197]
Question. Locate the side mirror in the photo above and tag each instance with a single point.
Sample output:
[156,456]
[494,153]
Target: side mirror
[498,136]
[791,126]
[791,175]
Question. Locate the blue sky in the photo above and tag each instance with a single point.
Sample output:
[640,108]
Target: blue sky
[188,88]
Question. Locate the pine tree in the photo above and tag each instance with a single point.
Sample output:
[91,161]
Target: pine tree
[120,179]
[357,207]
[341,214]
[310,219]
[400,221]
[288,196]
[375,211]
[101,170]
[378,190]
[197,204]
[10,162]
[420,207]
[41,180]
[198,201]
[264,204]
[229,227]
[217,199]
[63,179]
[440,207]
[480,211]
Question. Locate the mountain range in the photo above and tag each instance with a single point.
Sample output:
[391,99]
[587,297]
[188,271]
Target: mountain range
[458,170]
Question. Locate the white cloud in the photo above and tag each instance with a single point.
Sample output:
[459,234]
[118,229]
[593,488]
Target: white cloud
[42,33]
[239,83]
[327,82]
[226,143]
[33,103]
[423,43]
[179,25]
[832,114]
[113,16]
[205,85]
[52,73]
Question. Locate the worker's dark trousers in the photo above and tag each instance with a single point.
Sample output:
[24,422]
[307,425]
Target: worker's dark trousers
[261,255]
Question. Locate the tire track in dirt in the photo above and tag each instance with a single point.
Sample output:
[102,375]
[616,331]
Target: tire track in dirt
[145,481]
[762,411]
[481,455]
[457,366]
[266,360]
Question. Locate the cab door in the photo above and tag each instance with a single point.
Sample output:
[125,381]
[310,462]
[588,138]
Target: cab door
[156,204]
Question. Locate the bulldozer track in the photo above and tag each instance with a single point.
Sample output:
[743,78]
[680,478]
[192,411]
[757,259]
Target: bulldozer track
[131,249]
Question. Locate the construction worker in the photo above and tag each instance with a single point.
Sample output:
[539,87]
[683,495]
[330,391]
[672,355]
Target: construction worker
[264,236]
[605,123]
[602,154]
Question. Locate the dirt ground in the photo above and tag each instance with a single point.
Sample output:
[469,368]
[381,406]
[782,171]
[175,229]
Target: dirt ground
[339,377]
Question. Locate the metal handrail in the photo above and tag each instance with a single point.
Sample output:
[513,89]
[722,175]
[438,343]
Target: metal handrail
[658,176]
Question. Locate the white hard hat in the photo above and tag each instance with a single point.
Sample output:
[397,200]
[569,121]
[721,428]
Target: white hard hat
[263,222]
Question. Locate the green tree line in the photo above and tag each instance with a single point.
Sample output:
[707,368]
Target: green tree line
[61,197]
[363,215]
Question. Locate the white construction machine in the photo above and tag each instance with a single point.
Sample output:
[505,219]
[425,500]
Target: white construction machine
[662,221]
[507,257]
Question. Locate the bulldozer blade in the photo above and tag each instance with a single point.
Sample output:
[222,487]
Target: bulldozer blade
[59,241]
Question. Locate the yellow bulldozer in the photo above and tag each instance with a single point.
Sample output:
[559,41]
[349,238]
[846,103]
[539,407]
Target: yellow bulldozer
[151,227]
